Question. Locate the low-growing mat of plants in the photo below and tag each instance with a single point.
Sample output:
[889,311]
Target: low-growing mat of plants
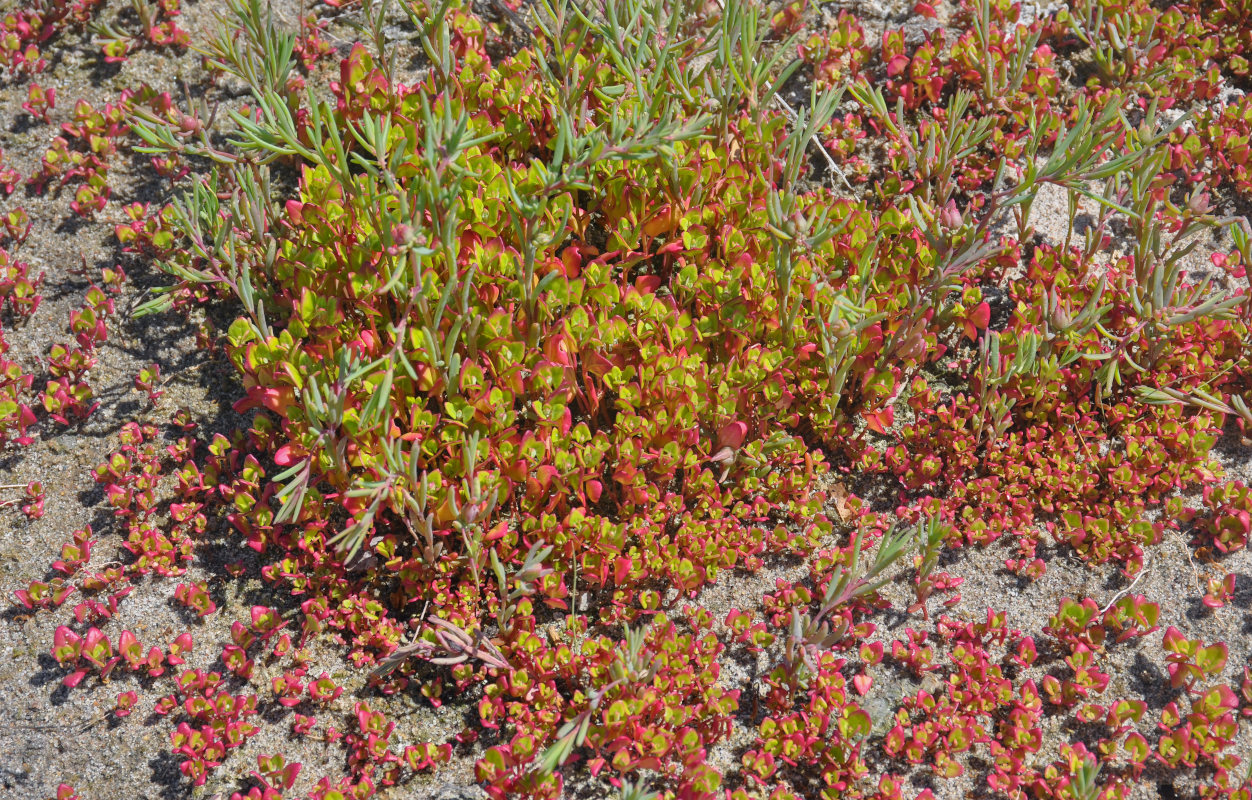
[625,399]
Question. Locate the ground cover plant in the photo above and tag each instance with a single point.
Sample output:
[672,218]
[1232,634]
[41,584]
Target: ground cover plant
[640,399]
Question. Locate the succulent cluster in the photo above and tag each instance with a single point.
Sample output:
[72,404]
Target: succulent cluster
[544,342]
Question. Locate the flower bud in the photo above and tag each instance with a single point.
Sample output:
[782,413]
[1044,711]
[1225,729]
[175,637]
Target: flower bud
[950,217]
[1059,318]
